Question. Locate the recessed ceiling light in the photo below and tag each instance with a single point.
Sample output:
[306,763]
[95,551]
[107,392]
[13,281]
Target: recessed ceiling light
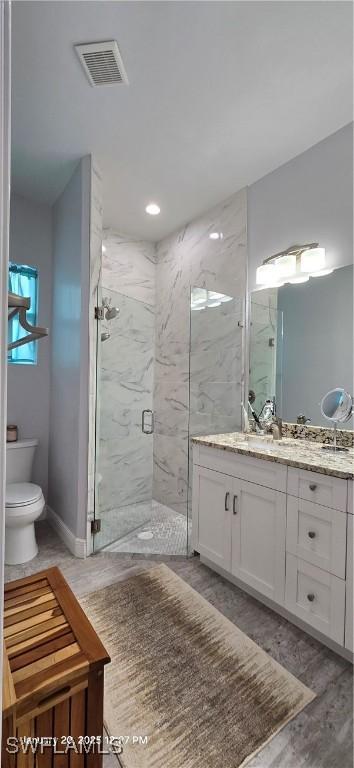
[153,209]
[104,248]
[216,235]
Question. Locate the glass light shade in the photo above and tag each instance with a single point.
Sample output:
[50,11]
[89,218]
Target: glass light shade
[214,295]
[322,273]
[286,265]
[225,299]
[266,274]
[199,298]
[313,260]
[299,279]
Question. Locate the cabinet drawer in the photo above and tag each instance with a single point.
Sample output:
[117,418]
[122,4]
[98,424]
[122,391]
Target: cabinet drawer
[349,601]
[322,489]
[269,474]
[315,596]
[317,534]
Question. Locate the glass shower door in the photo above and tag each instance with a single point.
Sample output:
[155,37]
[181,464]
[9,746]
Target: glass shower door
[216,366]
[124,420]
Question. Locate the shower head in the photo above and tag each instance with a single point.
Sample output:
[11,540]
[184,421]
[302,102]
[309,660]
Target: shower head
[111,313]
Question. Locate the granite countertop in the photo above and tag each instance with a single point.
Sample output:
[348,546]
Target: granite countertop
[300,453]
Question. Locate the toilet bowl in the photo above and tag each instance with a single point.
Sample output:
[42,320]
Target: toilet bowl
[24,503]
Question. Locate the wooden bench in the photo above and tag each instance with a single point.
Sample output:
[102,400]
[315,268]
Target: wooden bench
[53,674]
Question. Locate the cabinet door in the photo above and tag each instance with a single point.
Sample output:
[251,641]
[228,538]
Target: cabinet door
[213,498]
[349,587]
[258,538]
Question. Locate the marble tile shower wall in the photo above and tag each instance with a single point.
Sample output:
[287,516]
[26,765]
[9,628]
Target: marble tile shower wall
[265,345]
[190,258]
[215,368]
[126,372]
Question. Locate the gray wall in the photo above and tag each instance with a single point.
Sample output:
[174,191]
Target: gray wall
[318,343]
[29,385]
[308,199]
[68,449]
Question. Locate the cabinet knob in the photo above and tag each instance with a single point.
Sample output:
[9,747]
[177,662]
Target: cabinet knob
[313,486]
[227,496]
[311,534]
[311,597]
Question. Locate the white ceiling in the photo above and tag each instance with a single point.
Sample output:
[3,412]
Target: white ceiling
[220,94]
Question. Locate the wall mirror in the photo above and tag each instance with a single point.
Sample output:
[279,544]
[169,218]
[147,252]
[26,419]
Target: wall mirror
[300,345]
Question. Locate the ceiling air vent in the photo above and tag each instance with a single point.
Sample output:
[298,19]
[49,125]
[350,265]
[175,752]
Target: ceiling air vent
[102,63]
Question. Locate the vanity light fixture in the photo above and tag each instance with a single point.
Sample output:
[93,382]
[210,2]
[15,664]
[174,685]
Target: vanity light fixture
[201,298]
[322,273]
[294,265]
[313,260]
[298,279]
[153,209]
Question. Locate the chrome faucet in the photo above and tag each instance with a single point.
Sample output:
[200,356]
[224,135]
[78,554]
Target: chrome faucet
[276,428]
[270,422]
[301,419]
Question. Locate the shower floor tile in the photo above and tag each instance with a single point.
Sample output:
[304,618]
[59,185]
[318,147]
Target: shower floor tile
[163,530]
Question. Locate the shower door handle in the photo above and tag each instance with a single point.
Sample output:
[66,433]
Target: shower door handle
[149,430]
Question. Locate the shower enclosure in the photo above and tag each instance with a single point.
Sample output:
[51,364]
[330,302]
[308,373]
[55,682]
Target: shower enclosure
[137,514]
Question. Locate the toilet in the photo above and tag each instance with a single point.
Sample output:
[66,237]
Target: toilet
[24,503]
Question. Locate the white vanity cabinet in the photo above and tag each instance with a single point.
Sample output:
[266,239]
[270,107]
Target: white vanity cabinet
[283,533]
[240,525]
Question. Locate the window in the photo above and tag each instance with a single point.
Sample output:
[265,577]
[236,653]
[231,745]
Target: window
[23,280]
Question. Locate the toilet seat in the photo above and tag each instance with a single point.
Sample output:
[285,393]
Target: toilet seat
[22,494]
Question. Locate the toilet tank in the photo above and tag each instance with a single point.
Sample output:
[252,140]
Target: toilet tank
[19,460]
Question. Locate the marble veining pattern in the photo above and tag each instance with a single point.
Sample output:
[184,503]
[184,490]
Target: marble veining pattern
[294,453]
[265,346]
[129,266]
[186,259]
[126,376]
[126,389]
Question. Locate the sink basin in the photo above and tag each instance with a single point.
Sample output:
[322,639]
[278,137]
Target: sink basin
[261,441]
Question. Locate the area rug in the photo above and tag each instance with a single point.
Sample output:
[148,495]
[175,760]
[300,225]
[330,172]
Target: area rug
[185,687]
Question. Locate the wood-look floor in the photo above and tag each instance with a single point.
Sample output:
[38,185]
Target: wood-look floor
[321,736]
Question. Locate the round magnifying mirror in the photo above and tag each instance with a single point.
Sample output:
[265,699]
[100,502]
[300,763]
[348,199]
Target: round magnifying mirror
[337,406]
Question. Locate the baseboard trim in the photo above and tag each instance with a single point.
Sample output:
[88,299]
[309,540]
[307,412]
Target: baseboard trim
[76,546]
